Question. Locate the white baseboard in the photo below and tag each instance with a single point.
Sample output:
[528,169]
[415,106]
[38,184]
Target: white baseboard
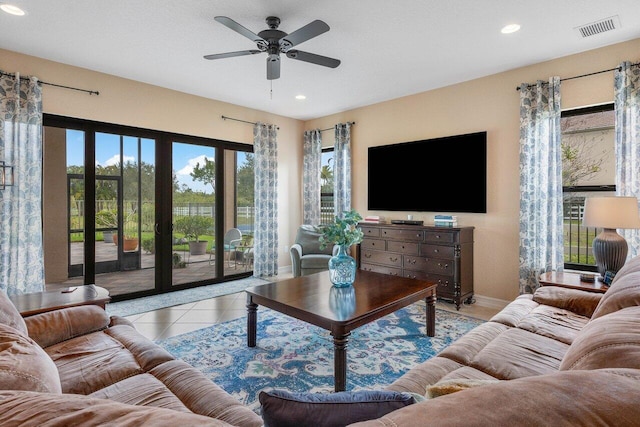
[490,302]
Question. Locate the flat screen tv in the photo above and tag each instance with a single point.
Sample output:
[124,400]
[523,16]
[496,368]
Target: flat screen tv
[446,174]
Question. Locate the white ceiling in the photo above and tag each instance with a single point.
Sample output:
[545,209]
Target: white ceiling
[388,48]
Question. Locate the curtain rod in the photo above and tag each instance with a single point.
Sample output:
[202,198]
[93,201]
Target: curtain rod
[242,121]
[587,75]
[90,92]
[349,123]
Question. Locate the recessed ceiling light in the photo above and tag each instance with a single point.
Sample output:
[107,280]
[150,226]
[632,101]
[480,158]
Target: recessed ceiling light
[11,9]
[301,97]
[511,28]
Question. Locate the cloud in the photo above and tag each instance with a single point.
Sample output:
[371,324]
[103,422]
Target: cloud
[191,163]
[115,159]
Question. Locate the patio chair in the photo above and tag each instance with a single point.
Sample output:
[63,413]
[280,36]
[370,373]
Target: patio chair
[232,239]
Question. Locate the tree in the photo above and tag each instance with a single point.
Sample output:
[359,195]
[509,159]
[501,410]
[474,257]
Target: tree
[326,175]
[579,163]
[246,179]
[205,173]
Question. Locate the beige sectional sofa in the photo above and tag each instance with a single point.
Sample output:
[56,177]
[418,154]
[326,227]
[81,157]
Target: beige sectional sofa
[77,366]
[559,357]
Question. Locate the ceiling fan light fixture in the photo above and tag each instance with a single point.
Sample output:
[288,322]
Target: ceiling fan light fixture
[511,28]
[273,42]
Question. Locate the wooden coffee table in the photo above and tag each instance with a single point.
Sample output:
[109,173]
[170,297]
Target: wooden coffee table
[308,298]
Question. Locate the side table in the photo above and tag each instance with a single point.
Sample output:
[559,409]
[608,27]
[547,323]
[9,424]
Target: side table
[40,302]
[571,280]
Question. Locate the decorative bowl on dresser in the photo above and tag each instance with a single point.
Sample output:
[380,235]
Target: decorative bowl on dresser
[441,254]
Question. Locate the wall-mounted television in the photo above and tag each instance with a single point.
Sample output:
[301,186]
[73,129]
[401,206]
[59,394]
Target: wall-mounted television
[446,174]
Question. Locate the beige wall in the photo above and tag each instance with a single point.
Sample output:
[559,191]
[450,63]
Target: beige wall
[491,104]
[131,103]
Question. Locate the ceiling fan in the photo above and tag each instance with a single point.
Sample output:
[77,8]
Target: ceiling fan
[274,42]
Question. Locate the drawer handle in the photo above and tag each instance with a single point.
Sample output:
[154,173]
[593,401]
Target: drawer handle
[393,273]
[393,259]
[366,255]
[418,235]
[437,236]
[411,261]
[443,265]
[435,251]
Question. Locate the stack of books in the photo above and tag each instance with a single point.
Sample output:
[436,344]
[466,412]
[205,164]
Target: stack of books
[445,221]
[374,219]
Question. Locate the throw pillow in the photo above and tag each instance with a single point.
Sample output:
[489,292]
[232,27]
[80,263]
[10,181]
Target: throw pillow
[281,408]
[451,386]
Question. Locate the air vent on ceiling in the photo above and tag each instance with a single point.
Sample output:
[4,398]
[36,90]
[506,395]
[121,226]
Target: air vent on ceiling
[601,26]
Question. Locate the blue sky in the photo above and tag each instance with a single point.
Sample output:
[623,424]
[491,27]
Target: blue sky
[185,156]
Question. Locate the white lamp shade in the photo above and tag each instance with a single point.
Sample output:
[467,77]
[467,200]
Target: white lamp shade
[611,212]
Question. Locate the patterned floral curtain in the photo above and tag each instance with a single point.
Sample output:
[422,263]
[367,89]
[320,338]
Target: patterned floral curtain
[21,250]
[541,227]
[342,169]
[627,142]
[265,147]
[311,177]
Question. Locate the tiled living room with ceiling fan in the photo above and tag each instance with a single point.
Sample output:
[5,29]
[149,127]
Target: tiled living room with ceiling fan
[171,180]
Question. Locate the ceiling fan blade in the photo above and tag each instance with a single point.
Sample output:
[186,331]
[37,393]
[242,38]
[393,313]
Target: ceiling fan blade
[273,67]
[232,54]
[303,34]
[230,23]
[313,58]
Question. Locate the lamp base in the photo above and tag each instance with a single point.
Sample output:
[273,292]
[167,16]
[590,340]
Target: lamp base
[610,251]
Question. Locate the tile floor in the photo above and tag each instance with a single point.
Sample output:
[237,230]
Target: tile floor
[171,321]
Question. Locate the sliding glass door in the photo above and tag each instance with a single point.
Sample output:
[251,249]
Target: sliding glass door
[146,212]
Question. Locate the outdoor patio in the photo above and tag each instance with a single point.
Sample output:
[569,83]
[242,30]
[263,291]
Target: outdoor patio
[197,268]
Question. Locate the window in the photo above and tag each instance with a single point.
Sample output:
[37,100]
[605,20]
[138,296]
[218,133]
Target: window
[326,186]
[588,169]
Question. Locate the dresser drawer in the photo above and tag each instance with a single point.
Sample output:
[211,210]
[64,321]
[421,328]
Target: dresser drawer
[375,244]
[440,236]
[379,257]
[406,234]
[381,269]
[409,248]
[429,265]
[445,283]
[437,251]
[370,231]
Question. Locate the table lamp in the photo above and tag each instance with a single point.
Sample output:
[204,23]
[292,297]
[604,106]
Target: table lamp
[610,213]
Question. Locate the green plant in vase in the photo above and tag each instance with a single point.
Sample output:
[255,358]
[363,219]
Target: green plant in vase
[343,232]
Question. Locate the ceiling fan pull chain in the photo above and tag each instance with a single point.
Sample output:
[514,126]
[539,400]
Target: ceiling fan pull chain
[271,91]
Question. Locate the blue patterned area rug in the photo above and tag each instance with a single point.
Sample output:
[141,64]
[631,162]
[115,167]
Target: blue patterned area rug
[155,302]
[294,355]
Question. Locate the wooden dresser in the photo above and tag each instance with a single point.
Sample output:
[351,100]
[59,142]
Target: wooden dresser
[441,254]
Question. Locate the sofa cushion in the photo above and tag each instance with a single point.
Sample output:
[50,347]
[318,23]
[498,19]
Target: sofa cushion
[553,322]
[281,408]
[309,238]
[9,315]
[518,353]
[576,301]
[317,261]
[611,341]
[570,398]
[29,409]
[445,387]
[24,365]
[623,292]
[57,326]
